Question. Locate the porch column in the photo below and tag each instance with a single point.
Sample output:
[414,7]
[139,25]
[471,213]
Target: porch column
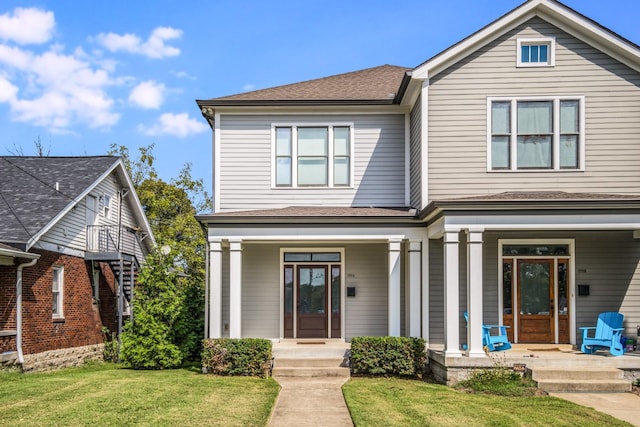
[425,290]
[394,288]
[235,289]
[452,293]
[474,292]
[215,288]
[414,276]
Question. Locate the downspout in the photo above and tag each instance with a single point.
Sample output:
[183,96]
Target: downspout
[19,307]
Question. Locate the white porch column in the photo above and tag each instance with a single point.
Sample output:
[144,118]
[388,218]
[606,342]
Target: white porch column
[414,277]
[474,292]
[452,293]
[235,289]
[394,288]
[215,288]
[425,290]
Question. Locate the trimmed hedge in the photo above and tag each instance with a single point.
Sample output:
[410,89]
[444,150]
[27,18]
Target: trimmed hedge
[243,357]
[388,356]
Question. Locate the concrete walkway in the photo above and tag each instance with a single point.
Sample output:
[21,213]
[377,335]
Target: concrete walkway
[311,401]
[624,406]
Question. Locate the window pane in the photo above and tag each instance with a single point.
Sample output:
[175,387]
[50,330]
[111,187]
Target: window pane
[312,171]
[569,117]
[500,152]
[544,56]
[297,256]
[568,151]
[540,250]
[283,141]
[312,141]
[283,171]
[341,171]
[507,299]
[535,117]
[534,151]
[534,53]
[524,54]
[500,118]
[55,303]
[325,256]
[341,141]
[288,289]
[335,289]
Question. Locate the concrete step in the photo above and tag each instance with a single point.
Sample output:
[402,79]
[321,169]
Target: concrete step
[310,372]
[593,386]
[309,362]
[540,374]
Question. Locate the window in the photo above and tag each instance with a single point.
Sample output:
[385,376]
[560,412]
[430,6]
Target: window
[539,52]
[107,206]
[312,156]
[536,134]
[57,291]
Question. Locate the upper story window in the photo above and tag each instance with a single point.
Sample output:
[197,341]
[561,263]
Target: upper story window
[312,156]
[57,291]
[536,134]
[538,52]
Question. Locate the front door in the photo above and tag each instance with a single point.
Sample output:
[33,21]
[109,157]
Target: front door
[536,303]
[312,301]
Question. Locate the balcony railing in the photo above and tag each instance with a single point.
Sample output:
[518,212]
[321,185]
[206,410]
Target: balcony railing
[112,239]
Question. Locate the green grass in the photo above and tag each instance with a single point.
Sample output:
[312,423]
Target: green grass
[398,402]
[106,395]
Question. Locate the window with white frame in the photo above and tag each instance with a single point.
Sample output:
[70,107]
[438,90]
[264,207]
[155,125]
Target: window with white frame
[536,133]
[57,291]
[107,206]
[312,156]
[536,52]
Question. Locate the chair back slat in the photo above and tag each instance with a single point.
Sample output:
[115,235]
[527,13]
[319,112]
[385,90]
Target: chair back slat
[608,321]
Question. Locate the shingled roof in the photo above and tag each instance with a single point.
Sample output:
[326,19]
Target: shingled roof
[377,85]
[34,190]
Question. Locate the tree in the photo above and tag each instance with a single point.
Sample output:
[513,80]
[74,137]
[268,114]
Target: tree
[170,208]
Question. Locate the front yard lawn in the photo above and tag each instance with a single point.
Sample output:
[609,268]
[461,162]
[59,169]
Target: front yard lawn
[397,402]
[106,395]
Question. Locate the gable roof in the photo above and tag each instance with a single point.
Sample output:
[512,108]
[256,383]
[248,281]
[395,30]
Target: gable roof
[371,86]
[36,191]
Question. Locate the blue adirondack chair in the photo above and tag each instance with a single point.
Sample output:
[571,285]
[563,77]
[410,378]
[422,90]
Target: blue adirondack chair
[497,342]
[608,332]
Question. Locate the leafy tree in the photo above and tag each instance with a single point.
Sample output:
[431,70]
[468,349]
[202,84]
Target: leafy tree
[170,208]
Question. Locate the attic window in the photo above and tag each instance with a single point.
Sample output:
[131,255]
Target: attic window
[538,52]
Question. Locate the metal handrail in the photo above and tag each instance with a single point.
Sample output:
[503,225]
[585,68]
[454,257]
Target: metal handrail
[113,238]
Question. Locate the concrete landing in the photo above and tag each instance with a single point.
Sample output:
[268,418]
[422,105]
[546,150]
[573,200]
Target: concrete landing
[310,402]
[624,406]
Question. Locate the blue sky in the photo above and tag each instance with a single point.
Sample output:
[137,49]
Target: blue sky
[82,75]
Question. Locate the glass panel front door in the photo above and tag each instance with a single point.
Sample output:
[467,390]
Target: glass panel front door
[535,290]
[312,302]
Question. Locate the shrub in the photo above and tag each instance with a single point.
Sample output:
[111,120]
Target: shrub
[393,356]
[110,350]
[245,356]
[499,380]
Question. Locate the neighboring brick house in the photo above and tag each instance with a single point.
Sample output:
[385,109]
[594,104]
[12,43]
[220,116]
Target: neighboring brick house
[72,236]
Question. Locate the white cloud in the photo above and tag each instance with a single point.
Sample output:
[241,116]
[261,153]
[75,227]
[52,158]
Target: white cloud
[153,47]
[248,87]
[8,91]
[178,125]
[147,94]
[27,26]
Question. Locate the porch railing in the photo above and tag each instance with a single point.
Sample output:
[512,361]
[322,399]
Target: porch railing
[113,238]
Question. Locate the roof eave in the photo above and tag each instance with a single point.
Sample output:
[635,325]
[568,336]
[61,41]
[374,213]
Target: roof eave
[290,102]
[219,219]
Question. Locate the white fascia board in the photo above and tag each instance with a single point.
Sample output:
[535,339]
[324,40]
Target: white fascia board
[18,254]
[311,110]
[545,222]
[323,234]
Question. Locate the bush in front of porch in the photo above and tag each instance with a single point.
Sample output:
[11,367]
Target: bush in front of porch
[244,356]
[387,356]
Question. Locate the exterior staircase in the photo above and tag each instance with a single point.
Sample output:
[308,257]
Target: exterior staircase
[317,358]
[593,380]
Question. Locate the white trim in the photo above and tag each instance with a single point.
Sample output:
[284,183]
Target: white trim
[235,288]
[424,146]
[393,283]
[513,142]
[425,290]
[539,41]
[452,293]
[343,289]
[414,288]
[330,125]
[571,286]
[215,288]
[217,139]
[407,159]
[58,272]
[65,250]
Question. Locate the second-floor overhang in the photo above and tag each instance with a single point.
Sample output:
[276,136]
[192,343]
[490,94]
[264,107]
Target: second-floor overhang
[534,211]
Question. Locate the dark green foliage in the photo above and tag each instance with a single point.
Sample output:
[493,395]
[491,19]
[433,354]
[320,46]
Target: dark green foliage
[148,342]
[390,356]
[245,356]
[500,381]
[110,351]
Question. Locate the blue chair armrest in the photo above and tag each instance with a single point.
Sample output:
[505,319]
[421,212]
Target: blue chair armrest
[588,327]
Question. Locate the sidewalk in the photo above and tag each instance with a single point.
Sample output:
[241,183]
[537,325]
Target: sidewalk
[313,401]
[624,406]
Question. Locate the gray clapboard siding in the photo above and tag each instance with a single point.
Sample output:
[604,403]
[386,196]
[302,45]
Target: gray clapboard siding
[245,163]
[415,153]
[261,291]
[457,117]
[436,292]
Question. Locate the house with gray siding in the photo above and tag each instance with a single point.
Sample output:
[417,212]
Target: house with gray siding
[500,177]
[72,237]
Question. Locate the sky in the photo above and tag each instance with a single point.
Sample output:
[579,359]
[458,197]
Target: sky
[80,76]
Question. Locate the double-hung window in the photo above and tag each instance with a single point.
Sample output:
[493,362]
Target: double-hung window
[57,291]
[312,156]
[536,133]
